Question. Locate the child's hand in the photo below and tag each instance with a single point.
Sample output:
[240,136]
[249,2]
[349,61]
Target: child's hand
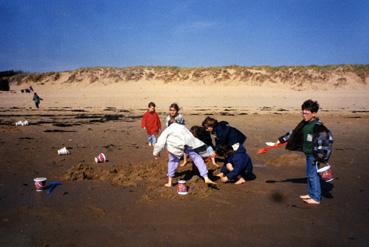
[215,164]
[183,164]
[157,156]
[224,179]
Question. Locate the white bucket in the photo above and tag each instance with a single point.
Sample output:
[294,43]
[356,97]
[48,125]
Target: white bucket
[326,173]
[63,151]
[22,123]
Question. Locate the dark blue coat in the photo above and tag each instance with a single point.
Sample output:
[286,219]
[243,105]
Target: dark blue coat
[242,165]
[227,135]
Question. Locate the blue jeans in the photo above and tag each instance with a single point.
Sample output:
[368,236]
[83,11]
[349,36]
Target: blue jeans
[151,139]
[313,180]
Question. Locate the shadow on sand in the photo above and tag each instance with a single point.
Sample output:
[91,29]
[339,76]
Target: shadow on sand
[189,174]
[326,188]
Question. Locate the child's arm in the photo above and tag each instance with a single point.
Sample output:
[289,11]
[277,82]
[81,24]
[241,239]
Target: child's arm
[284,138]
[185,160]
[159,145]
[221,136]
[143,121]
[287,136]
[166,121]
[237,168]
[233,174]
[159,123]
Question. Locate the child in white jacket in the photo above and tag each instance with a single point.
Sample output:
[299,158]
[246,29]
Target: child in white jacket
[179,140]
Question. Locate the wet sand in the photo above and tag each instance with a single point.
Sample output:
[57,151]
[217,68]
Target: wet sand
[123,202]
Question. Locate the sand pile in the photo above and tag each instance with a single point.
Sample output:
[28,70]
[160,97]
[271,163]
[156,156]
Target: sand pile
[152,175]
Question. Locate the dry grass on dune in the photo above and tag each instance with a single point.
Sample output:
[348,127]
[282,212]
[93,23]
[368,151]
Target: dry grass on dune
[294,77]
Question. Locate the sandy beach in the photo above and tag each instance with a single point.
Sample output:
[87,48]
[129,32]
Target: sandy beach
[79,166]
[123,201]
[136,95]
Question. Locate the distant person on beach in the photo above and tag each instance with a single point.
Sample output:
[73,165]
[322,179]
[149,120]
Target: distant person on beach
[174,115]
[208,152]
[238,165]
[151,122]
[179,141]
[37,99]
[306,137]
[225,135]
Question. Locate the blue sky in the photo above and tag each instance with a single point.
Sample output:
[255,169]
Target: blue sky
[56,35]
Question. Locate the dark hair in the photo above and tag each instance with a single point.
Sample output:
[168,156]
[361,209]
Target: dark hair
[151,104]
[175,106]
[310,105]
[224,150]
[209,122]
[195,130]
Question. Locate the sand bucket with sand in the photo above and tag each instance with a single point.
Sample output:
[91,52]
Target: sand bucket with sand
[100,158]
[182,187]
[40,183]
[326,173]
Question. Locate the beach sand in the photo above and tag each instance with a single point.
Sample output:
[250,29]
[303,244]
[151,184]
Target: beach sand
[123,202]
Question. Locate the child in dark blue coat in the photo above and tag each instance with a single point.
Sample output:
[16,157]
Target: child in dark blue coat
[224,134]
[238,165]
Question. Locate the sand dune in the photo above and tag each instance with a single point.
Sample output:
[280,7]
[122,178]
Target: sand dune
[291,77]
[339,88]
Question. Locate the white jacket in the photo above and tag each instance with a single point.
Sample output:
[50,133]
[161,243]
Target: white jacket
[176,137]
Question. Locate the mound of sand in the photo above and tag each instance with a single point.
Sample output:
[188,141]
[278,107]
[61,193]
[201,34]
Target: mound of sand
[152,175]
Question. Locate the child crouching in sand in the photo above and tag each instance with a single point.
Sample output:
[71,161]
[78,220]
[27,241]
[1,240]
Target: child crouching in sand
[238,165]
[179,140]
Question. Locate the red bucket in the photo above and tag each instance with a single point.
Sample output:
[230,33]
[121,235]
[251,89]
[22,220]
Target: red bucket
[40,184]
[182,187]
[326,173]
[100,158]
